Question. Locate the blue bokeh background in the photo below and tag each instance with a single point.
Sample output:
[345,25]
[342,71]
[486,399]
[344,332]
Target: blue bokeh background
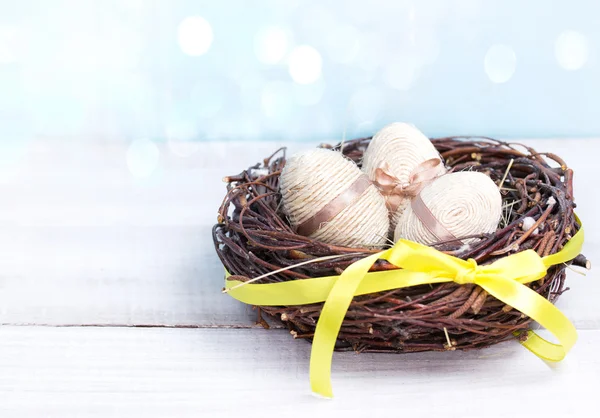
[233,70]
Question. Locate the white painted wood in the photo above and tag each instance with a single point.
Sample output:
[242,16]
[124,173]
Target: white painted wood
[120,372]
[83,242]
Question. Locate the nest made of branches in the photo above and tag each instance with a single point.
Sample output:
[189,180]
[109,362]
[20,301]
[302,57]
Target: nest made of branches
[253,237]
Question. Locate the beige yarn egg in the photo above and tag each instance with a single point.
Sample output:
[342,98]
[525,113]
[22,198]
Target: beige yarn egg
[319,183]
[399,148]
[465,203]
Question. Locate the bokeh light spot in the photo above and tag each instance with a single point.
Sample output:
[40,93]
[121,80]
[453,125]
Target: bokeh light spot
[271,44]
[142,158]
[195,36]
[305,64]
[500,63]
[571,50]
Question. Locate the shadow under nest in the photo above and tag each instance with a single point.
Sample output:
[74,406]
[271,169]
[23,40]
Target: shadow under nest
[253,237]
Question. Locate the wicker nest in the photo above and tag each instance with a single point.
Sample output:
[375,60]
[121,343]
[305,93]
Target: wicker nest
[253,237]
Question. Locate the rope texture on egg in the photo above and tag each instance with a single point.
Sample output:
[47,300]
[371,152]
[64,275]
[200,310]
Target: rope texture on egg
[399,148]
[313,179]
[464,203]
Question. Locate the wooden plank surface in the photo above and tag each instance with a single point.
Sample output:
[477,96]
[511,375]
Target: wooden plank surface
[85,242]
[133,372]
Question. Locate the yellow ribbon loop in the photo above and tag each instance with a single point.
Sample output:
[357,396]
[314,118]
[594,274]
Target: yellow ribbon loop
[418,264]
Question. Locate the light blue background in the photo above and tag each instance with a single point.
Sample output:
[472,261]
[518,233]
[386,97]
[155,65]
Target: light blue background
[117,70]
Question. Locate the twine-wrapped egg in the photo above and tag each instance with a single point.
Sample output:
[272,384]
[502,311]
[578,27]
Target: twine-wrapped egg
[394,155]
[463,204]
[327,197]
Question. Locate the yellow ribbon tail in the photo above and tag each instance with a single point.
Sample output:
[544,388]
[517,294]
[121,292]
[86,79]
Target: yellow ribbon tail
[542,348]
[330,322]
[548,315]
[539,309]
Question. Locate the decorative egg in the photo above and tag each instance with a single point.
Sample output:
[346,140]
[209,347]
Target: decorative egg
[395,154]
[462,204]
[328,198]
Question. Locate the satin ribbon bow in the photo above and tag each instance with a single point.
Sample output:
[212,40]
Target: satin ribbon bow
[394,191]
[503,279]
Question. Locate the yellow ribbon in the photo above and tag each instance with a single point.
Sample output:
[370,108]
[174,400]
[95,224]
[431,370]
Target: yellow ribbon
[504,279]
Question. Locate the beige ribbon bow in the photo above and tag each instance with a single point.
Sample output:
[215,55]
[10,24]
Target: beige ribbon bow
[394,191]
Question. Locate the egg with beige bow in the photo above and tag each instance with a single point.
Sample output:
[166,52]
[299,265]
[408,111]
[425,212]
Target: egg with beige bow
[327,197]
[426,204]
[400,160]
[456,207]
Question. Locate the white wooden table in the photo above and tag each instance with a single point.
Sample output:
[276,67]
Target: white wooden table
[110,305]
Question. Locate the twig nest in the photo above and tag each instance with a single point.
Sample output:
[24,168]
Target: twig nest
[327,197]
[396,151]
[464,203]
